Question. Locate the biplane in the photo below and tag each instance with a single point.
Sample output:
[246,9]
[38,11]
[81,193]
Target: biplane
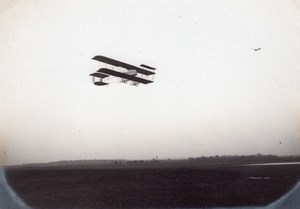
[125,73]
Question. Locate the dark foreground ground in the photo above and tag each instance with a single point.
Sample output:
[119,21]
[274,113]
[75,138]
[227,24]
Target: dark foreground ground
[203,186]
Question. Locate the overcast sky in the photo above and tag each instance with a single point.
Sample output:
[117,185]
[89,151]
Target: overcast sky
[212,94]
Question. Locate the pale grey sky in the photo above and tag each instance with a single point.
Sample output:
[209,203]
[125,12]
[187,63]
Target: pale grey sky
[213,94]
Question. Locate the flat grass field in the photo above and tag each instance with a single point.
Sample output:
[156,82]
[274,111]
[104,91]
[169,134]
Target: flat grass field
[151,186]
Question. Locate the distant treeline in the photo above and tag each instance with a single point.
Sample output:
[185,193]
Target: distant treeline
[243,159]
[204,160]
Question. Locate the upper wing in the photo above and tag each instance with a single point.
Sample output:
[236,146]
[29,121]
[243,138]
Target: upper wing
[123,75]
[122,64]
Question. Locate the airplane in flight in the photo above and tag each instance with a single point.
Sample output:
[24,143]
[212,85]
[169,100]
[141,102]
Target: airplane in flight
[126,72]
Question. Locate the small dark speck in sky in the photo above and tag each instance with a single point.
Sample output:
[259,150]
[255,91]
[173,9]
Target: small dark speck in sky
[257,49]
